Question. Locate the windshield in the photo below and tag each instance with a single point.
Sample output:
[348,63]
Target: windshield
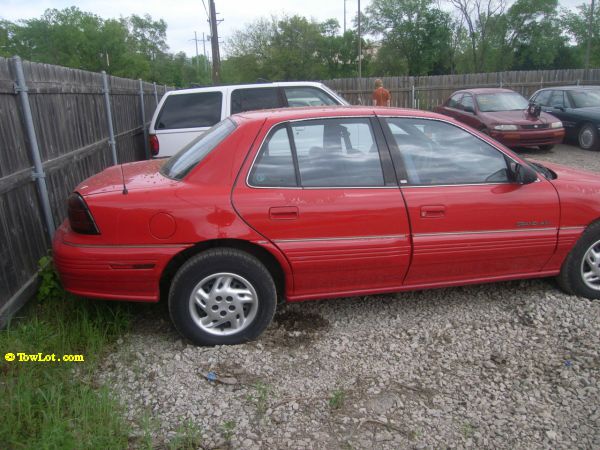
[501,101]
[180,164]
[586,98]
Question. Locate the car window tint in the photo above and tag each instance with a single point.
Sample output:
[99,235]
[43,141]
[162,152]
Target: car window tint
[454,100]
[307,96]
[543,98]
[337,153]
[255,98]
[181,163]
[557,99]
[467,103]
[202,109]
[438,153]
[274,166]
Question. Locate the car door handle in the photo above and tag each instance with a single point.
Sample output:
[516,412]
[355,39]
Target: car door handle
[283,213]
[433,211]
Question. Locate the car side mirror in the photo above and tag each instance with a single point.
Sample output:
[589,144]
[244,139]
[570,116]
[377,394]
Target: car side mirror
[523,174]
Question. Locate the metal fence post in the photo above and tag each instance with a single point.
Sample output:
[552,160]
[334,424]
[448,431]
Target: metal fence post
[155,94]
[146,149]
[38,172]
[111,131]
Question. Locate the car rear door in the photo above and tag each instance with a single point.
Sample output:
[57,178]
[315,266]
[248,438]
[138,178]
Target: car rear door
[469,221]
[324,192]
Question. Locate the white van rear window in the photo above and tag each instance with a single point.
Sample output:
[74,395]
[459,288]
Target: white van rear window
[202,109]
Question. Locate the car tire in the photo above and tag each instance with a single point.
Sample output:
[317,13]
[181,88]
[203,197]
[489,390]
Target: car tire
[578,273]
[587,138]
[222,297]
[546,148]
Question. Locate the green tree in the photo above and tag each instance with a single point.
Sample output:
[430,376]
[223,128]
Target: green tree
[416,37]
[577,25]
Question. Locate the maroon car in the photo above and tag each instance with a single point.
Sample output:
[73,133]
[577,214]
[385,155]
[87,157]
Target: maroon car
[506,116]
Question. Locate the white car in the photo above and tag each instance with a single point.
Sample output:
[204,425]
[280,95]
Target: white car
[183,115]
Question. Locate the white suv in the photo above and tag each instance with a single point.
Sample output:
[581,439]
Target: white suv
[184,114]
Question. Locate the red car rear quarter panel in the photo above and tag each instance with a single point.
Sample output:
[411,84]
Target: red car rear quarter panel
[141,231]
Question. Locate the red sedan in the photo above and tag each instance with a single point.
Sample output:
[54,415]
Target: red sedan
[290,205]
[506,116]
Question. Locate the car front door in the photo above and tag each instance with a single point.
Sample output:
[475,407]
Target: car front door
[324,192]
[469,221]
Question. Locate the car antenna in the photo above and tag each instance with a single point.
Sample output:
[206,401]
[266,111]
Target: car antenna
[123,181]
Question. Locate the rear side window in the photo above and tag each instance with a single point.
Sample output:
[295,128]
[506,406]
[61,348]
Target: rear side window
[180,164]
[202,109]
[319,153]
[255,98]
[307,96]
[274,165]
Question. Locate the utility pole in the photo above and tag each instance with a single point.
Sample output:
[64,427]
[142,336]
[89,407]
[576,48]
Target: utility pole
[344,16]
[204,49]
[589,42]
[214,40]
[359,57]
[197,58]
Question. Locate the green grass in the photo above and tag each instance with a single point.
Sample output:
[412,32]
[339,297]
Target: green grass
[56,404]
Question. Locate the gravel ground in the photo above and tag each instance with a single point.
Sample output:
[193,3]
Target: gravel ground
[506,365]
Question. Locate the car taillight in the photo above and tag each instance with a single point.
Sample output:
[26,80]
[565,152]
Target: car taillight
[154,145]
[80,217]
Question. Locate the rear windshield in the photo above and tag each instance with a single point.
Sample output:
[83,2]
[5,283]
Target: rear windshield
[501,101]
[180,164]
[202,109]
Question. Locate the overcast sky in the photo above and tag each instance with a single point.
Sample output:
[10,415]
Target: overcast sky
[183,17]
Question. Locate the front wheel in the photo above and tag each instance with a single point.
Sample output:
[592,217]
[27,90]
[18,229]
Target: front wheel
[588,137]
[580,273]
[222,296]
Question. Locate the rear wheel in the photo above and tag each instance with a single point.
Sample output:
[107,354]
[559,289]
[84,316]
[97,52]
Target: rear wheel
[588,137]
[580,273]
[222,296]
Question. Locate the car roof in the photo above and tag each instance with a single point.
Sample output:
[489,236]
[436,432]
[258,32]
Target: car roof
[570,88]
[485,91]
[310,112]
[221,88]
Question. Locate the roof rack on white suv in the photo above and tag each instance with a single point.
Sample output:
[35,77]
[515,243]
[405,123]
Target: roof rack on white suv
[184,114]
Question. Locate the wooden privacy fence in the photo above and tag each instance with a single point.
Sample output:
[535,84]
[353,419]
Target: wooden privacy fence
[429,92]
[58,126]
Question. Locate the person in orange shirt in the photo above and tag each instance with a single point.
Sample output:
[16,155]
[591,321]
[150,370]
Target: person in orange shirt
[381,96]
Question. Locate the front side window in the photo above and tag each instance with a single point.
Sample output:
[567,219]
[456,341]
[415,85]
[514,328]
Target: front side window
[454,100]
[467,103]
[180,164]
[326,152]
[543,98]
[557,100]
[202,109]
[255,98]
[307,96]
[438,153]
